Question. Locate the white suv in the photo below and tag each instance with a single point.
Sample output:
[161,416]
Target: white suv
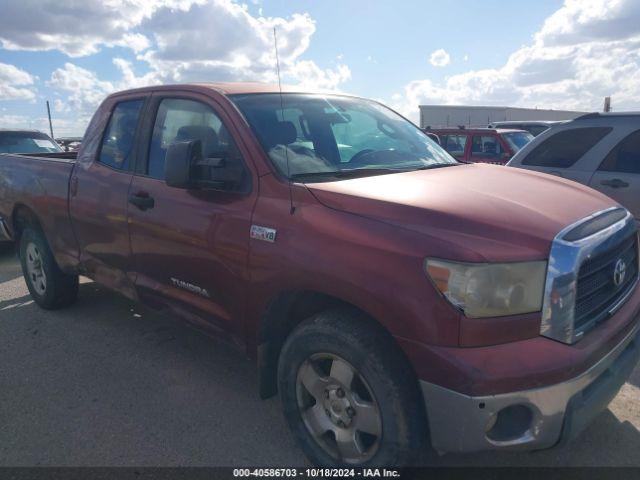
[601,150]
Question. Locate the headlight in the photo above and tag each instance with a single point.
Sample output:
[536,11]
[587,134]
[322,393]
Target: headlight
[490,289]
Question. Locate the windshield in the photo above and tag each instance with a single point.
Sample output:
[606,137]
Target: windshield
[27,142]
[517,140]
[323,137]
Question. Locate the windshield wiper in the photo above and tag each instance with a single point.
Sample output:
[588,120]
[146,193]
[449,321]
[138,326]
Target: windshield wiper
[438,165]
[356,172]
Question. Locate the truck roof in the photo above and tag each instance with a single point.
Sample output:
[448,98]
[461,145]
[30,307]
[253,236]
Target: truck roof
[224,88]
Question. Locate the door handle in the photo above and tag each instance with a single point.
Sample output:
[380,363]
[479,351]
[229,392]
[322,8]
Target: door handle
[615,183]
[142,200]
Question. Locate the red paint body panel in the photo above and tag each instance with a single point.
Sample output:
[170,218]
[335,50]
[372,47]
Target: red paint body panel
[471,212]
[363,241]
[41,185]
[519,365]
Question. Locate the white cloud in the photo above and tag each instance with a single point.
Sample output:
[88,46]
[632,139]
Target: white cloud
[314,78]
[179,40]
[85,90]
[15,84]
[586,50]
[440,58]
[174,41]
[221,40]
[75,27]
[580,21]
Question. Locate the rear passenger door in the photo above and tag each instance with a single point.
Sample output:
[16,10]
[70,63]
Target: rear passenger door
[618,176]
[190,246]
[98,197]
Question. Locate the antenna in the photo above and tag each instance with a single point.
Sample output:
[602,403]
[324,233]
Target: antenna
[286,150]
[50,124]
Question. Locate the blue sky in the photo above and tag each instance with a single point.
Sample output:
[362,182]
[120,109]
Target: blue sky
[546,53]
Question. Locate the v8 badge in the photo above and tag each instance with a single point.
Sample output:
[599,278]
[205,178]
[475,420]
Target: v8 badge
[263,233]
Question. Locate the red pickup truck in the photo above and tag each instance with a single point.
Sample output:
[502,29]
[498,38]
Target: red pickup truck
[393,297]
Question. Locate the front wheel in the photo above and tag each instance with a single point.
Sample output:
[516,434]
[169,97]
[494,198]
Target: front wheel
[349,395]
[49,286]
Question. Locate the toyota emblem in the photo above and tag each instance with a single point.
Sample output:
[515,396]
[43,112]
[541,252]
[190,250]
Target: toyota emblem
[619,272]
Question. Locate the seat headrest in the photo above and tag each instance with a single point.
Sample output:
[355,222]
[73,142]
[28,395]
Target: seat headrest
[206,134]
[196,132]
[283,133]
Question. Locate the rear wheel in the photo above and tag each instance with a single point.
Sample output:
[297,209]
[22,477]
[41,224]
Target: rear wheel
[349,395]
[49,286]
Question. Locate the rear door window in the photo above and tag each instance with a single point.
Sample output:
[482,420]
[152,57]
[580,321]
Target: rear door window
[565,148]
[625,157]
[454,144]
[486,146]
[117,144]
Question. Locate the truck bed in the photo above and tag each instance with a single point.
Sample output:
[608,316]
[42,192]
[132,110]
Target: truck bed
[39,183]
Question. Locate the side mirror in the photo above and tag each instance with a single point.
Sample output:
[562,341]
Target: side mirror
[219,172]
[181,156]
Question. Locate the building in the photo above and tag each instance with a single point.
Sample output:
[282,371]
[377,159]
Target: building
[477,116]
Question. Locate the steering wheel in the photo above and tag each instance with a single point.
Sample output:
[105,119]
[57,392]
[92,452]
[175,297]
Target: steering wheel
[360,154]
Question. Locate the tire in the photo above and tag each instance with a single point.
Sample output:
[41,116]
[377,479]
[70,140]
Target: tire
[386,425]
[49,287]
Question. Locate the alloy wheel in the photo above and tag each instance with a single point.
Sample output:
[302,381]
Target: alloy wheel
[338,408]
[35,270]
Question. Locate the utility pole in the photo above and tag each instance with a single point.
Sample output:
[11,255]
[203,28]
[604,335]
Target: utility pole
[50,124]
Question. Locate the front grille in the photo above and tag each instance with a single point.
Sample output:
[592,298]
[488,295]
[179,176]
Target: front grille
[596,290]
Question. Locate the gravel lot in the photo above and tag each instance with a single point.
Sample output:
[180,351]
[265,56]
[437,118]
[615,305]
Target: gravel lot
[109,383]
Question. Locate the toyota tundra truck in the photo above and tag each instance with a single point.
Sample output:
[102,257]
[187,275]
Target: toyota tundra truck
[395,299]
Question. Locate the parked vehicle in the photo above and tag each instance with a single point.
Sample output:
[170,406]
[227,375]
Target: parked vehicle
[482,145]
[69,144]
[26,141]
[534,127]
[601,150]
[390,294]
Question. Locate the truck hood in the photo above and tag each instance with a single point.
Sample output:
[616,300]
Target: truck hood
[489,212]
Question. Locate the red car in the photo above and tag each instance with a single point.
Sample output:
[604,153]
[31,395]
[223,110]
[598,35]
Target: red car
[391,295]
[482,145]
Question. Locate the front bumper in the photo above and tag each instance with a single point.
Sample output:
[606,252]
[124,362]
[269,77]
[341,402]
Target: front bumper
[534,419]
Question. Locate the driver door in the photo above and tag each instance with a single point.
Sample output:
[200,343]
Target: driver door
[190,246]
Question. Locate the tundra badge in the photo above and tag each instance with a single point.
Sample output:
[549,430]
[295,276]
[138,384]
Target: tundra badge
[190,286]
[263,233]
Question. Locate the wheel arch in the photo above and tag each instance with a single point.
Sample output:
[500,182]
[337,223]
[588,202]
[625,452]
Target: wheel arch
[22,217]
[283,314]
